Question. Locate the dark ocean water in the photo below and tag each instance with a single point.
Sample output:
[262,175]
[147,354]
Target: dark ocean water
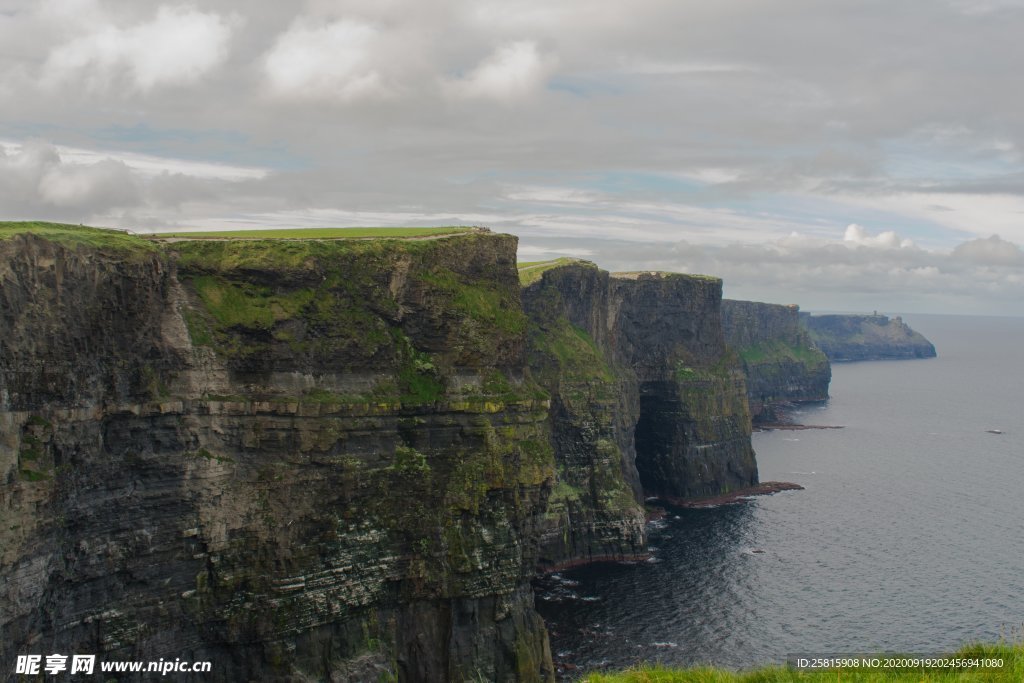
[909,536]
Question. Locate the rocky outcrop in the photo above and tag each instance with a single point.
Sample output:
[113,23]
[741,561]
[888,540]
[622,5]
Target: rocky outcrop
[781,364]
[646,399]
[866,337]
[300,461]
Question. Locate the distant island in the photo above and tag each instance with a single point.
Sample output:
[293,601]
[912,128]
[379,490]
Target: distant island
[865,337]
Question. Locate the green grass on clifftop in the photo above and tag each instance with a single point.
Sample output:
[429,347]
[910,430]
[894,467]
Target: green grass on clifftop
[531,271]
[74,235]
[314,233]
[1012,671]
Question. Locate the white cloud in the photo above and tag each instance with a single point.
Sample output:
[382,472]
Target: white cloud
[509,73]
[535,253]
[963,212]
[151,165]
[552,195]
[332,61]
[857,236]
[179,46]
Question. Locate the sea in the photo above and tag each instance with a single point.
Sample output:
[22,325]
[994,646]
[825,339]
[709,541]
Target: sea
[908,536]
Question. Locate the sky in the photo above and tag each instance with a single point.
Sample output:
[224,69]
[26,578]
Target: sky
[842,155]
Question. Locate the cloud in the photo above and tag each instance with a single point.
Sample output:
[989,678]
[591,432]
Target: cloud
[602,126]
[509,73]
[179,46]
[39,180]
[34,178]
[552,195]
[103,184]
[149,165]
[857,236]
[333,61]
[985,6]
[992,251]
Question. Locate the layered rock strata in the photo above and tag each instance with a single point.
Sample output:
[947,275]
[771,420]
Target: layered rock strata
[866,337]
[781,363]
[337,459]
[693,435]
[646,400]
[596,508]
[317,460]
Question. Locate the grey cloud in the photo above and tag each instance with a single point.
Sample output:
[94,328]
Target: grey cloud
[790,99]
[34,182]
[813,83]
[993,251]
[37,183]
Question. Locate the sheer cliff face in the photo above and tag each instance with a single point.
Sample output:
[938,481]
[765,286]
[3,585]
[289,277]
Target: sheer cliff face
[337,459]
[595,511]
[292,459]
[645,398]
[866,337]
[693,434]
[781,363]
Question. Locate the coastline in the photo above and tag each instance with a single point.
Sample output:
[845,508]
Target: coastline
[765,488]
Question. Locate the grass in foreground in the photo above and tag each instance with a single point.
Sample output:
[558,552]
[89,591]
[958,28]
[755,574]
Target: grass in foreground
[1011,671]
[314,233]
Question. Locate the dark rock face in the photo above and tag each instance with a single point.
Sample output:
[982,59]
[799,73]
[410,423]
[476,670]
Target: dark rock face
[595,511]
[645,398]
[866,337]
[781,363]
[693,435]
[337,460]
[298,461]
[67,317]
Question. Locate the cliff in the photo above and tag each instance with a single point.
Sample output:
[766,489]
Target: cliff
[596,507]
[646,400]
[298,460]
[781,363]
[332,459]
[693,434]
[865,337]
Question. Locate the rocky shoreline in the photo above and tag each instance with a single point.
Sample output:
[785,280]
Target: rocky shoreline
[765,488]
